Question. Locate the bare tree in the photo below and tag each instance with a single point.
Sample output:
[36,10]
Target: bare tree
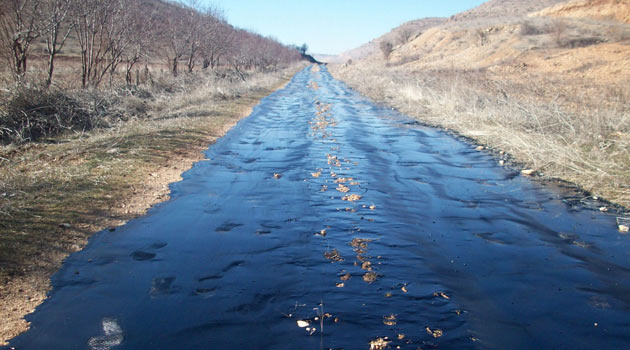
[91,19]
[20,25]
[404,35]
[218,38]
[483,36]
[386,48]
[142,36]
[174,35]
[103,32]
[57,28]
[218,44]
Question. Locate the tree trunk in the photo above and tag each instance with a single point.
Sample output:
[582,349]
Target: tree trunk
[175,66]
[51,68]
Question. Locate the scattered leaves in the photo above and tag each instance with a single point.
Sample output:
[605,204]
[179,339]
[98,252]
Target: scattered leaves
[436,333]
[379,343]
[389,320]
[333,255]
[343,189]
[370,277]
[351,198]
[441,294]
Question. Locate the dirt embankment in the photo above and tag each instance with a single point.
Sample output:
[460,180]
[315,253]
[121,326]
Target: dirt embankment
[54,196]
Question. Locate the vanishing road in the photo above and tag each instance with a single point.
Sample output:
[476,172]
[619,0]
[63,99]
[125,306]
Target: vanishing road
[324,221]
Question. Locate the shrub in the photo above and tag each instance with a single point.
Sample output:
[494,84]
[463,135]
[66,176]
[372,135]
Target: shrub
[386,48]
[529,29]
[33,113]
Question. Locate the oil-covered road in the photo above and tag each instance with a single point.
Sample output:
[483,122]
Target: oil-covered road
[325,221]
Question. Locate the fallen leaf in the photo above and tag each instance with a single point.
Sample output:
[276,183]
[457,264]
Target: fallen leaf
[345,277]
[370,277]
[343,189]
[276,175]
[302,323]
[389,320]
[436,333]
[317,174]
[351,198]
[333,255]
[379,343]
[441,294]
[340,285]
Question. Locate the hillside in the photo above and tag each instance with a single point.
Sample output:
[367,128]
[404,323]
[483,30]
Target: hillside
[405,31]
[545,81]
[616,10]
[503,9]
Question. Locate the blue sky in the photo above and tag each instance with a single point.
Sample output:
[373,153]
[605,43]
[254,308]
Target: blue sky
[332,26]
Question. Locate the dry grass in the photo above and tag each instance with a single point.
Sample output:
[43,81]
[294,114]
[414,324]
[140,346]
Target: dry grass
[582,140]
[54,196]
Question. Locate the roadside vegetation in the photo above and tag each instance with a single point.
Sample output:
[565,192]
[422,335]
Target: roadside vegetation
[547,91]
[102,105]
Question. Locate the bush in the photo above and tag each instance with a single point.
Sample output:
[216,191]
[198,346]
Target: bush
[35,113]
[386,48]
[580,42]
[529,29]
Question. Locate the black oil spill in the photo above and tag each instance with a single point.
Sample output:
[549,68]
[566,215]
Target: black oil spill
[323,209]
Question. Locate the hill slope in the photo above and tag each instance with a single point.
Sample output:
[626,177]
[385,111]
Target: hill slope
[403,32]
[618,10]
[545,81]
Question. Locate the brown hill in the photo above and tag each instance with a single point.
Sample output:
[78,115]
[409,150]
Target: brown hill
[404,32]
[545,81]
[618,10]
[503,9]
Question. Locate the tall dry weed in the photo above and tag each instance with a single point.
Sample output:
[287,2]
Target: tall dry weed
[587,146]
